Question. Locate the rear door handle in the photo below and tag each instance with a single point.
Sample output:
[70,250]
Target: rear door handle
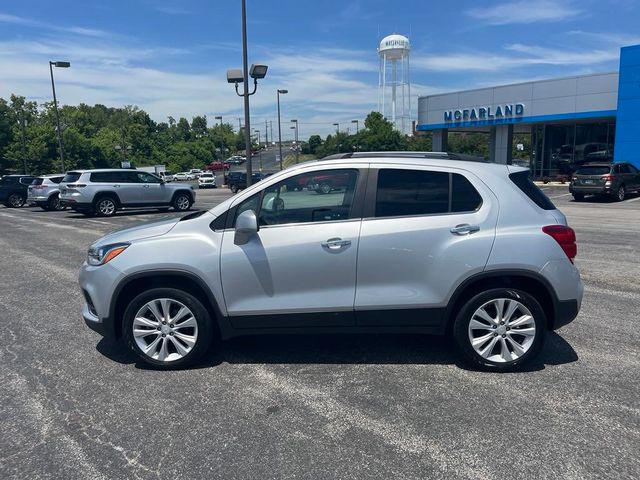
[336,243]
[464,229]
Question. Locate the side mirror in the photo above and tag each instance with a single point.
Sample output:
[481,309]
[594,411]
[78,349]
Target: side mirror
[246,226]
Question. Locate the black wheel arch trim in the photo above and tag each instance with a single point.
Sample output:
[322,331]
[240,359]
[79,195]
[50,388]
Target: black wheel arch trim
[110,322]
[564,311]
[107,193]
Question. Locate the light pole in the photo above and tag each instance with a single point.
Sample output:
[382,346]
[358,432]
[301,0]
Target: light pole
[259,149]
[55,107]
[296,138]
[257,132]
[280,92]
[337,125]
[357,125]
[219,117]
[24,140]
[236,76]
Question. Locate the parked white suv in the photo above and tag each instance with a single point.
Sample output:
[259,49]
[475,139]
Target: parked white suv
[437,246]
[103,192]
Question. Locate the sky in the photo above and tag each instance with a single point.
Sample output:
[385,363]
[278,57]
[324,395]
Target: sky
[171,57]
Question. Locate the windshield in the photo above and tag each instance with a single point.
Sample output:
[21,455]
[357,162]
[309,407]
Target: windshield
[7,180]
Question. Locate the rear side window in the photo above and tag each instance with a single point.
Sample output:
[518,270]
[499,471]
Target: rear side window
[601,170]
[55,179]
[530,189]
[71,177]
[419,192]
[27,180]
[38,181]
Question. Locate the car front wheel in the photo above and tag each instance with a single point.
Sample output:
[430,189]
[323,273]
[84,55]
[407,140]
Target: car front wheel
[500,329]
[167,328]
[182,202]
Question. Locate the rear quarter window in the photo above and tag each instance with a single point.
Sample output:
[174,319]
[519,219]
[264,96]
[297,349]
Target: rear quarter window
[525,184]
[71,177]
[593,170]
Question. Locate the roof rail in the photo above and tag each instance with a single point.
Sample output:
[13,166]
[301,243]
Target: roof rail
[405,154]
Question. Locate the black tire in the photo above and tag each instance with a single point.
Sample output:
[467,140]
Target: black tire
[324,188]
[461,333]
[16,200]
[578,197]
[234,189]
[200,314]
[182,202]
[621,194]
[43,205]
[105,206]
[54,205]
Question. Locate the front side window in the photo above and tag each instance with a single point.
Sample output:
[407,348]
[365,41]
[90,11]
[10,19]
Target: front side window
[319,196]
[144,177]
[73,177]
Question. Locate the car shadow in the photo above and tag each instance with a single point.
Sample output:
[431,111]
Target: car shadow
[132,213]
[343,349]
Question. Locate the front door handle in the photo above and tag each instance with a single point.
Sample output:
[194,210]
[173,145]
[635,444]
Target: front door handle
[464,229]
[336,243]
[116,186]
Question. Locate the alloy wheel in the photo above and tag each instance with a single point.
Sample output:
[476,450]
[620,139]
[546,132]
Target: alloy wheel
[165,330]
[621,194]
[182,202]
[16,201]
[502,330]
[106,207]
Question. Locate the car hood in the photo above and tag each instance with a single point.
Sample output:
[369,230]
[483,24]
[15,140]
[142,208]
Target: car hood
[142,230]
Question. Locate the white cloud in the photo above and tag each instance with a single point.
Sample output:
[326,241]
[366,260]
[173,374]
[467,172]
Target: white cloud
[525,11]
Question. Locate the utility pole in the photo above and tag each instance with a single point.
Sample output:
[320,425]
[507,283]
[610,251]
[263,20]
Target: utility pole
[266,133]
[24,142]
[55,108]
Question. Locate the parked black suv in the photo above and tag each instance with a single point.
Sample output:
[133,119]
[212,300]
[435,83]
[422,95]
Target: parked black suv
[14,190]
[239,182]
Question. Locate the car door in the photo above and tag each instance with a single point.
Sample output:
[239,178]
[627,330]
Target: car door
[424,229]
[127,187]
[300,267]
[632,177]
[152,191]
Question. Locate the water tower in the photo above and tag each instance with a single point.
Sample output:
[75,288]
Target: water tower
[394,75]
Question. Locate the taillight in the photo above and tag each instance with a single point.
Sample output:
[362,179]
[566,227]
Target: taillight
[607,178]
[566,238]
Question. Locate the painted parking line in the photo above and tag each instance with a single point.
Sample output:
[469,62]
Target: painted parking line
[633,200]
[52,225]
[558,196]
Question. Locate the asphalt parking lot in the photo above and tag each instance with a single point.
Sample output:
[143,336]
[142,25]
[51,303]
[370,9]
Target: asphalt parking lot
[389,407]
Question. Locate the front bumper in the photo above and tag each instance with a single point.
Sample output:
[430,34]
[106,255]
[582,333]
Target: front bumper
[98,284]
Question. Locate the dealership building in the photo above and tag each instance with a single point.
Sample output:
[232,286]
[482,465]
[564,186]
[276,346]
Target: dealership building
[571,120]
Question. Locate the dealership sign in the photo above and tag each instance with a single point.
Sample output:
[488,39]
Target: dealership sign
[484,113]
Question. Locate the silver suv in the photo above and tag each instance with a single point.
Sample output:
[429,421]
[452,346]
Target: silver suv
[414,243]
[45,192]
[103,192]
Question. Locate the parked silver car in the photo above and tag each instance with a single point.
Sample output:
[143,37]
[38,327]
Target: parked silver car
[437,246]
[103,192]
[45,192]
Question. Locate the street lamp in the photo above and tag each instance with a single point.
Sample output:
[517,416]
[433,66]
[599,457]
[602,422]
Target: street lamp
[296,137]
[257,132]
[280,92]
[219,117]
[55,106]
[24,139]
[357,125]
[337,125]
[236,76]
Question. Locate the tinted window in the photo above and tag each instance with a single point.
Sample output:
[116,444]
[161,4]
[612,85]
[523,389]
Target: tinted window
[55,179]
[625,169]
[411,192]
[72,177]
[311,197]
[524,183]
[104,177]
[632,169]
[26,180]
[8,180]
[464,197]
[38,181]
[594,170]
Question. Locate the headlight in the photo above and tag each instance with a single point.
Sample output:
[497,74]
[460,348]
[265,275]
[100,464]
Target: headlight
[100,255]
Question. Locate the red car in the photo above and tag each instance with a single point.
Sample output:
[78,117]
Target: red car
[218,166]
[327,183]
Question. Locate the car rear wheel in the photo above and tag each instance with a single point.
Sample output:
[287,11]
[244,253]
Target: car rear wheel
[500,329]
[234,189]
[105,207]
[621,194]
[167,328]
[15,200]
[54,203]
[182,202]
